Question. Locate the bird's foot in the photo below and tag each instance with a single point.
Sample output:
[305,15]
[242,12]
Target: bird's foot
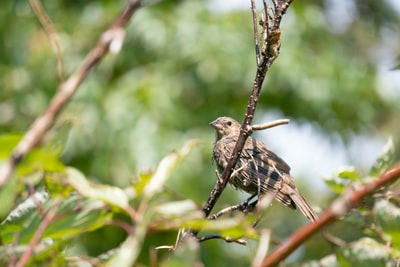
[247,206]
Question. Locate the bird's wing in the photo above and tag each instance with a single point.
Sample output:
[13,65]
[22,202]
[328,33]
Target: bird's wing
[270,171]
[260,149]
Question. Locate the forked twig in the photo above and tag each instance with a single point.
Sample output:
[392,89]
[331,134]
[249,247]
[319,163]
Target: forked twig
[268,57]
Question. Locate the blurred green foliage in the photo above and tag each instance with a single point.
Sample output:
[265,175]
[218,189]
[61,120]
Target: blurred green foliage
[182,64]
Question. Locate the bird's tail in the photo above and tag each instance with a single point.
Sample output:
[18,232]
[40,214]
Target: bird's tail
[303,206]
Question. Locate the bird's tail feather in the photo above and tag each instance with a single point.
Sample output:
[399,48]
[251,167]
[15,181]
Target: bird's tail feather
[303,206]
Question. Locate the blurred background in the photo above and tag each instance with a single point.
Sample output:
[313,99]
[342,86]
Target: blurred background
[184,63]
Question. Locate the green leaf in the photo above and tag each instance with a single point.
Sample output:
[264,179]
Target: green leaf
[388,219]
[343,176]
[19,215]
[327,261]
[174,215]
[74,217]
[364,252]
[41,159]
[111,195]
[335,185]
[7,143]
[57,184]
[44,158]
[45,252]
[129,250]
[187,254]
[127,253]
[233,227]
[141,181]
[349,173]
[8,194]
[165,168]
[385,160]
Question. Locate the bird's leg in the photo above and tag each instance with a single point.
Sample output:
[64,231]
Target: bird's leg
[248,207]
[253,204]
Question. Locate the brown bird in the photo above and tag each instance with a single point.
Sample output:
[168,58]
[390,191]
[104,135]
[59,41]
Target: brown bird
[258,169]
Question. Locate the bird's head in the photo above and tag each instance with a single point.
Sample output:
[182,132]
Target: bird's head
[225,127]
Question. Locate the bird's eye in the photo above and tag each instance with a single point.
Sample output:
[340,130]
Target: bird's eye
[229,123]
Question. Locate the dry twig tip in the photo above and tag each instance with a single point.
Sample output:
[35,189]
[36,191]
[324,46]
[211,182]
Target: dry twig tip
[258,127]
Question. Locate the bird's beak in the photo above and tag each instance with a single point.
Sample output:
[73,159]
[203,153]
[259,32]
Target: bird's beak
[215,124]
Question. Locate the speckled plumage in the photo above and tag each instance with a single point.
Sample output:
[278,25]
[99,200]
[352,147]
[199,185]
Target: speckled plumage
[257,167]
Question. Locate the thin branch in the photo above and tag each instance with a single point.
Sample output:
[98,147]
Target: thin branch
[36,201]
[227,239]
[38,234]
[255,30]
[240,207]
[39,127]
[245,207]
[258,127]
[13,256]
[275,2]
[280,10]
[123,225]
[51,34]
[339,208]
[265,23]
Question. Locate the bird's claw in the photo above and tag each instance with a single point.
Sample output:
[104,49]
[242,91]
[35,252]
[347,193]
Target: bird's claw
[247,206]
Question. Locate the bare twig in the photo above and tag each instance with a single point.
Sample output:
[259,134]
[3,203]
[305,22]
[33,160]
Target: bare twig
[275,2]
[123,225]
[34,135]
[255,29]
[225,211]
[13,256]
[37,203]
[258,127]
[51,34]
[240,207]
[339,208]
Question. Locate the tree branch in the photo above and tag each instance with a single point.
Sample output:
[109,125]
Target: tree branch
[110,40]
[339,208]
